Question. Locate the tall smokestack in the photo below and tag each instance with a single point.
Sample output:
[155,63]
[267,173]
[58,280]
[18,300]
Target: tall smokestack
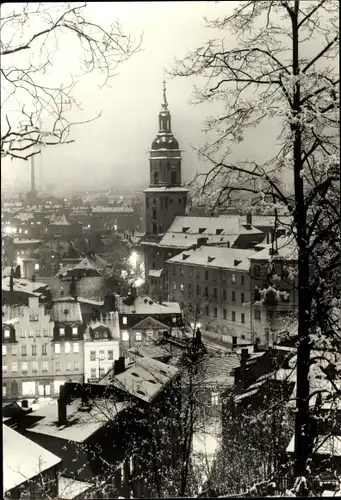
[33,176]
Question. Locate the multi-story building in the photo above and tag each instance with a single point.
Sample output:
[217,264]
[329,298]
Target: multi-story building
[7,250]
[101,347]
[165,198]
[27,355]
[67,342]
[142,318]
[222,287]
[213,286]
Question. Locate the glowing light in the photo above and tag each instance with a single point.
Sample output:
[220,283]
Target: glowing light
[133,259]
[115,227]
[19,261]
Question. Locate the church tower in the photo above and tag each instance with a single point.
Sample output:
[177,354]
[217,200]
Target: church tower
[165,197]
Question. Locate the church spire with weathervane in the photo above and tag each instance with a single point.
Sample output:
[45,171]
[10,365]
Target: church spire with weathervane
[164,115]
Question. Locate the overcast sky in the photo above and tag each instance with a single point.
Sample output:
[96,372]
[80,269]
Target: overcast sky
[113,151]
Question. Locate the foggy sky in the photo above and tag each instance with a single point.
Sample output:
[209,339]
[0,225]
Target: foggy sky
[113,151]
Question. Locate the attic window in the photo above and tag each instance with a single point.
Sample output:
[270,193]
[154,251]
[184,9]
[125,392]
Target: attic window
[218,231]
[210,259]
[141,392]
[152,381]
[135,374]
[185,256]
[145,301]
[237,262]
[202,230]
[66,311]
[163,372]
[185,229]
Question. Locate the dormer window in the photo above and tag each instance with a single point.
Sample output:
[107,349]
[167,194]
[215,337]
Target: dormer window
[7,333]
[125,320]
[218,231]
[202,230]
[75,330]
[61,331]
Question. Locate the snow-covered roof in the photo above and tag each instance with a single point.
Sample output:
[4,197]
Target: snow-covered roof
[23,459]
[102,209]
[224,225]
[24,216]
[24,285]
[84,300]
[164,189]
[70,488]
[145,305]
[155,273]
[143,377]
[150,323]
[149,350]
[268,220]
[178,240]
[66,312]
[18,241]
[286,250]
[215,257]
[59,220]
[81,425]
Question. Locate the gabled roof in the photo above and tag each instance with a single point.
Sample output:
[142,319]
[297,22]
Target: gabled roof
[59,220]
[24,285]
[215,257]
[23,459]
[143,377]
[150,324]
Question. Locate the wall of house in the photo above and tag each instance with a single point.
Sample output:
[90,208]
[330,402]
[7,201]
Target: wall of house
[27,360]
[222,294]
[99,356]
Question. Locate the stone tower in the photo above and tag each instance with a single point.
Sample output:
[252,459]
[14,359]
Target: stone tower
[165,197]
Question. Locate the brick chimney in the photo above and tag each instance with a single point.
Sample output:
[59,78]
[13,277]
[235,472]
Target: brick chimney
[249,219]
[62,416]
[24,403]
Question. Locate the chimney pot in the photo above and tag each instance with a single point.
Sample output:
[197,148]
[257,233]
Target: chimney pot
[244,354]
[116,367]
[249,219]
[62,417]
[24,403]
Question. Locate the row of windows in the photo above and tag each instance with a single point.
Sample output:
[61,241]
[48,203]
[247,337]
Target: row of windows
[165,201]
[224,314]
[215,292]
[44,349]
[101,355]
[28,333]
[215,275]
[42,367]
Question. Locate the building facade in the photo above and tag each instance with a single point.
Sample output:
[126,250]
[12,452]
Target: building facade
[101,347]
[27,354]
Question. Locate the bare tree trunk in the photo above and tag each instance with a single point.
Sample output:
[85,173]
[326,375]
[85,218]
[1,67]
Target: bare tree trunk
[304,301]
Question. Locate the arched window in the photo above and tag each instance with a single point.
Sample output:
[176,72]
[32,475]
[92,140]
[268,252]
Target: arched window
[173,177]
[156,177]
